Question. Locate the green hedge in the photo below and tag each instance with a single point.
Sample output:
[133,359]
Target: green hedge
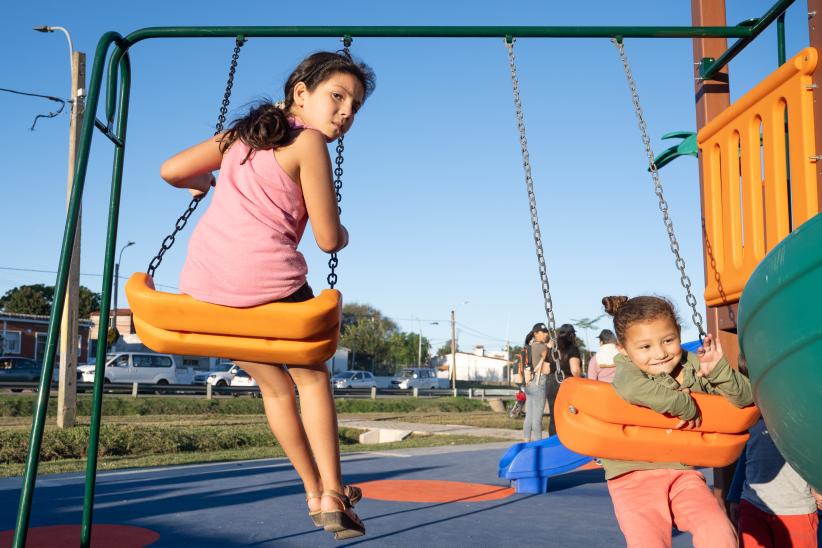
[23,406]
[121,440]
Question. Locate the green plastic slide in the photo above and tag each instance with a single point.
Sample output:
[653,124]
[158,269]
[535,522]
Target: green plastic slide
[780,333]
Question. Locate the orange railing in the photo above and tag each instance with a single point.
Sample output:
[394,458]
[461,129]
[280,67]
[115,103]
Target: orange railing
[758,162]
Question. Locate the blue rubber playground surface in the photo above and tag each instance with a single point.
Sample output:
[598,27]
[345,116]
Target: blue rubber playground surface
[261,503]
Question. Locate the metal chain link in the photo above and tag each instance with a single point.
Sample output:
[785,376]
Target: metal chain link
[333,261]
[532,204]
[696,317]
[192,205]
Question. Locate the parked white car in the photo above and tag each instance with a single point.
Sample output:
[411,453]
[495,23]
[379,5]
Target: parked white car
[221,376]
[415,377]
[140,367]
[241,378]
[354,379]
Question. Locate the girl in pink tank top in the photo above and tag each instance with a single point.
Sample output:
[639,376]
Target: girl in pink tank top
[275,174]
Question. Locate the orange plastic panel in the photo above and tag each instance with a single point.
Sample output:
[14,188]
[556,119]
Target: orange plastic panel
[295,333]
[593,420]
[750,203]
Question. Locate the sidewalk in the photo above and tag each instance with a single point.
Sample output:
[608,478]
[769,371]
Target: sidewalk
[435,429]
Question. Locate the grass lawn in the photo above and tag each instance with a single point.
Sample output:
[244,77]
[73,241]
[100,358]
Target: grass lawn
[116,463]
[148,432]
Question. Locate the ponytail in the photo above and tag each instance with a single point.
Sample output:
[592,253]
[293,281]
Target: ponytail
[265,127]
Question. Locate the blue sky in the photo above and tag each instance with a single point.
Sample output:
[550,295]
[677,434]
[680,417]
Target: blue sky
[433,191]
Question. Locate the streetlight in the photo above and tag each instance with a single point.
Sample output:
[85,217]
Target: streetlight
[66,395]
[45,28]
[116,280]
[419,341]
[454,348]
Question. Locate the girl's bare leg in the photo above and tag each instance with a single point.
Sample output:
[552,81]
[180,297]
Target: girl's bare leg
[320,422]
[277,389]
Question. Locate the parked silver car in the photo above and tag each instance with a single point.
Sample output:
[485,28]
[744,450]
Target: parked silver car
[354,379]
[416,377]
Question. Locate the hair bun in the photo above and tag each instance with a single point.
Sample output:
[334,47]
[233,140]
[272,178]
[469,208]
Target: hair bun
[613,304]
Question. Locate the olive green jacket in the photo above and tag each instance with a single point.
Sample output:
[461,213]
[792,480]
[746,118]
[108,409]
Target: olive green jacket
[663,394]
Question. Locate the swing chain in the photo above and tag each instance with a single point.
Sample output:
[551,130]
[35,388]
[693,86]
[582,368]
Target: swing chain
[696,317]
[532,203]
[333,261]
[192,205]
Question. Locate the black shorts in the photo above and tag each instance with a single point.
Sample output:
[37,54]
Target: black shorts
[302,294]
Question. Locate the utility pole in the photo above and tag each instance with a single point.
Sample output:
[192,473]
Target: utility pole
[453,352]
[67,390]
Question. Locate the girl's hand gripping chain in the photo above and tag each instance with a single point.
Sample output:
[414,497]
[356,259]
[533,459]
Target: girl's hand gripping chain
[709,355]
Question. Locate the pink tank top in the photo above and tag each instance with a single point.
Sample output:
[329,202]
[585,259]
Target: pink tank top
[243,251]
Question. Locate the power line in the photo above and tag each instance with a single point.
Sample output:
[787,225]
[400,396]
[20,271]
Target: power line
[49,97]
[81,274]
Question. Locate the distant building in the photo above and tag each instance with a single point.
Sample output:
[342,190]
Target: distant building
[25,335]
[474,366]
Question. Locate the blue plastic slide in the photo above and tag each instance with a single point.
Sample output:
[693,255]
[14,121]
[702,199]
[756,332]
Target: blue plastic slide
[529,465]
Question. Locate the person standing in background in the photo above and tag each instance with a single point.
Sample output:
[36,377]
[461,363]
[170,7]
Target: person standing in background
[601,367]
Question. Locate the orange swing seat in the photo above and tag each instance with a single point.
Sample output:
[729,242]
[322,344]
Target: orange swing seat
[302,333]
[592,419]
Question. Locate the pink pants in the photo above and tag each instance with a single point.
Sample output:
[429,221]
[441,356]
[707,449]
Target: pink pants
[648,502]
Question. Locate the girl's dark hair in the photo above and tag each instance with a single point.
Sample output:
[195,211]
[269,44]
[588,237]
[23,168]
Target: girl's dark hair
[566,337]
[266,125]
[639,309]
[529,337]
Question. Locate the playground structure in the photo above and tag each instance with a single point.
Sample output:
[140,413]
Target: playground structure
[722,217]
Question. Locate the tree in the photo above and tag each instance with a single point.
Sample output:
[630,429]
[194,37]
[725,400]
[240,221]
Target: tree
[585,324]
[28,299]
[366,332]
[37,299]
[376,342]
[445,349]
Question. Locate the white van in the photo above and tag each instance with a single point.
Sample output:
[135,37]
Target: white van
[140,367]
[416,377]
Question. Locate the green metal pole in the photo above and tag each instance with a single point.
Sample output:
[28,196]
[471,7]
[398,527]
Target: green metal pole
[710,67]
[111,243]
[440,32]
[780,39]
[38,421]
[35,440]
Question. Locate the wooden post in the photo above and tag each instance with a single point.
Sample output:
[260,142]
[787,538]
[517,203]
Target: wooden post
[453,353]
[208,391]
[67,388]
[815,34]
[712,97]
[135,388]
[373,392]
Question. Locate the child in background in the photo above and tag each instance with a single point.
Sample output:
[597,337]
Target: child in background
[275,175]
[770,503]
[602,366]
[777,507]
[654,371]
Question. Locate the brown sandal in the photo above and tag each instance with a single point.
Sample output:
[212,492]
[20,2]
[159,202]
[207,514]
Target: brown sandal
[316,516]
[353,493]
[343,523]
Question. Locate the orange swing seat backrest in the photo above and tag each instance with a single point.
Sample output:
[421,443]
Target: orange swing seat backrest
[293,333]
[592,419]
